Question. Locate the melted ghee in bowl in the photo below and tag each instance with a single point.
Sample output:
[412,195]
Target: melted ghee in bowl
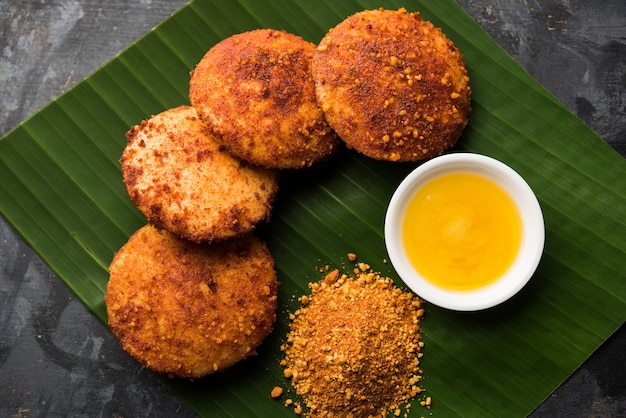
[461,231]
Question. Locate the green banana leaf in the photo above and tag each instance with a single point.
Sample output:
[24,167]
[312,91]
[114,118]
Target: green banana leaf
[61,189]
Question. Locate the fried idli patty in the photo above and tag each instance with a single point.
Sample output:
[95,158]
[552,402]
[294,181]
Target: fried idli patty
[187,309]
[256,91]
[392,85]
[181,179]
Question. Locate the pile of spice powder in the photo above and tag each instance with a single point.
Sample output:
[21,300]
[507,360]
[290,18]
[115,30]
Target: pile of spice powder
[354,346]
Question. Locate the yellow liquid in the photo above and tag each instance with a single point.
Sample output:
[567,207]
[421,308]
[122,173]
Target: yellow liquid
[462,231]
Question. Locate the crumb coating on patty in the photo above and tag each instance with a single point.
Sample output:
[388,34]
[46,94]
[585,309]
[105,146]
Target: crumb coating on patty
[255,90]
[186,309]
[180,178]
[392,85]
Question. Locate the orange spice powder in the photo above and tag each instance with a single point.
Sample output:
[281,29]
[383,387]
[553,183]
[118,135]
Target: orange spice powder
[354,346]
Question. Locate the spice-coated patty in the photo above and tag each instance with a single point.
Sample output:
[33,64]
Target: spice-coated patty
[256,92]
[187,309]
[181,180]
[392,85]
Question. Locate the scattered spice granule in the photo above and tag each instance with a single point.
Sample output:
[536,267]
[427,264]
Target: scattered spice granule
[352,348]
[277,392]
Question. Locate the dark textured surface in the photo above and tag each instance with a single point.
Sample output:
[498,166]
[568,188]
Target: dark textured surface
[57,360]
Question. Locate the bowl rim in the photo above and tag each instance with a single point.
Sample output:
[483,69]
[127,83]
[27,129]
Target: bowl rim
[526,261]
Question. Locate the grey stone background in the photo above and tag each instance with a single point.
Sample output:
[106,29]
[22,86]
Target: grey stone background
[57,360]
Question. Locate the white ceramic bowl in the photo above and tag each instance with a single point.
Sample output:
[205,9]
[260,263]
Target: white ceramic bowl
[526,261]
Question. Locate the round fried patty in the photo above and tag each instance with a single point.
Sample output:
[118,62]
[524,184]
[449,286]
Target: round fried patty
[187,309]
[392,85]
[181,180]
[255,91]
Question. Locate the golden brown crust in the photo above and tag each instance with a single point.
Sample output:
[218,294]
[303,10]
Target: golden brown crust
[256,92]
[179,178]
[392,85]
[187,309]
